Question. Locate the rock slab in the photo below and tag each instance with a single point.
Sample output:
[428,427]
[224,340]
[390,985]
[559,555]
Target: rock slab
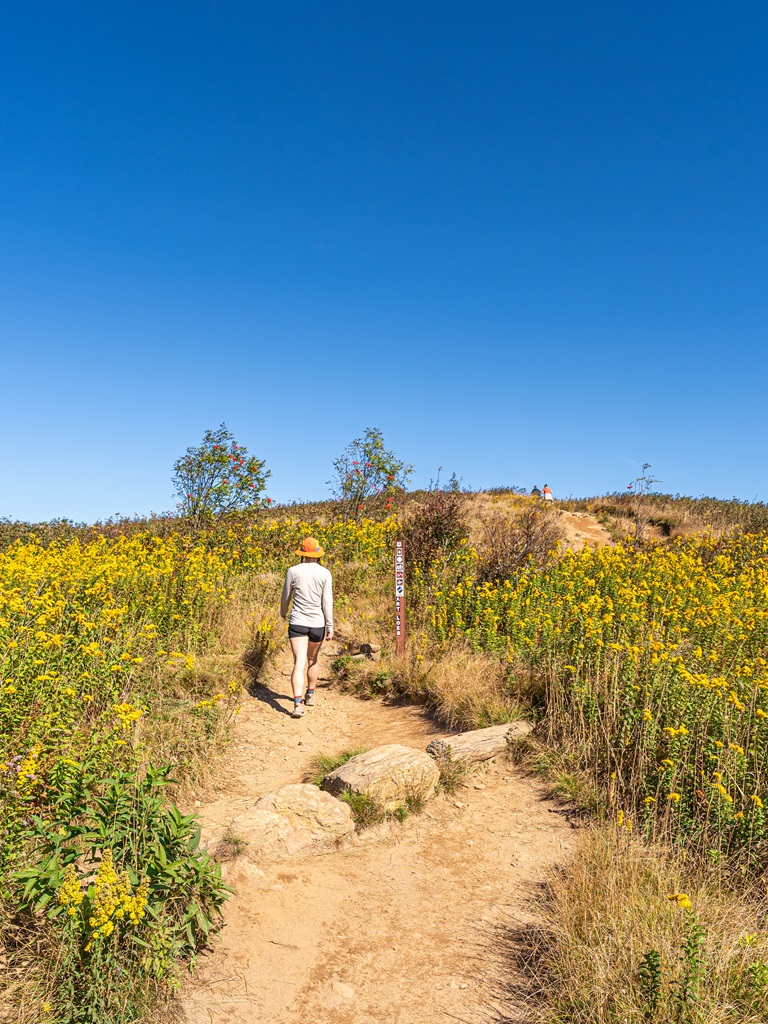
[479,744]
[389,775]
[293,819]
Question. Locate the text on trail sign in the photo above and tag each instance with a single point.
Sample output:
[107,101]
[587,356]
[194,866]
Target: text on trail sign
[399,597]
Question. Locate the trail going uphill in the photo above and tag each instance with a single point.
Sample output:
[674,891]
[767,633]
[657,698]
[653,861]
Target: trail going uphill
[403,924]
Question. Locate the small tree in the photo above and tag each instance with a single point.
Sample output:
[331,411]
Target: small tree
[219,476]
[365,470]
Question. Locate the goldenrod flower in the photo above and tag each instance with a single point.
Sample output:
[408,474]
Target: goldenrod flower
[681,899]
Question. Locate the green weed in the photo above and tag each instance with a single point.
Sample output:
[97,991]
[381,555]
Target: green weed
[321,765]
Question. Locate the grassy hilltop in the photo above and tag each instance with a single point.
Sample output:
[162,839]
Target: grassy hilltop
[634,634]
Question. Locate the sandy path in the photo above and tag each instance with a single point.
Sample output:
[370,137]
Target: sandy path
[401,925]
[583,530]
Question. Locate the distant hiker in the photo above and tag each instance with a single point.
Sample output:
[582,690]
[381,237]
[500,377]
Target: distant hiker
[535,493]
[547,493]
[309,585]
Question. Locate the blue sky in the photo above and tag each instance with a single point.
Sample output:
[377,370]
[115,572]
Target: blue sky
[551,217]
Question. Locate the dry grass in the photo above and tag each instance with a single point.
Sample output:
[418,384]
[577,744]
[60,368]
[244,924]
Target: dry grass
[251,629]
[556,765]
[186,728]
[483,506]
[470,690]
[454,775]
[673,515]
[611,909]
[464,689]
[251,603]
[366,620]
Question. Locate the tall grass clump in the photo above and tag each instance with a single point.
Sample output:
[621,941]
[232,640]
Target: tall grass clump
[631,933]
[463,689]
[321,764]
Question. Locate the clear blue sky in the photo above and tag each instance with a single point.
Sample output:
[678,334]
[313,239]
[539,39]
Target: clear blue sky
[553,214]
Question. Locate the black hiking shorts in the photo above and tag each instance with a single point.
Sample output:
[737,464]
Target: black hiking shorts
[315,633]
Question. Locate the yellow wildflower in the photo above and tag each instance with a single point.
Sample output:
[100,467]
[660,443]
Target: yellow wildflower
[681,899]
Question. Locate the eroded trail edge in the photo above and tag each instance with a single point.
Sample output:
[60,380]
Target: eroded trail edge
[402,924]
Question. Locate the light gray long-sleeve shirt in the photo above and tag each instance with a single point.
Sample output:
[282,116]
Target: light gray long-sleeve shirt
[310,586]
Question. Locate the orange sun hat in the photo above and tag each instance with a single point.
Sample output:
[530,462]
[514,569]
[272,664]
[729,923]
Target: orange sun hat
[310,548]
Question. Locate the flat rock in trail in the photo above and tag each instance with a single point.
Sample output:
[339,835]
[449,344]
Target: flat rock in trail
[400,926]
[295,818]
[390,775]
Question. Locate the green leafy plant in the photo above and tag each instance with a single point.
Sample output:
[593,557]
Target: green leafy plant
[692,961]
[650,974]
[126,892]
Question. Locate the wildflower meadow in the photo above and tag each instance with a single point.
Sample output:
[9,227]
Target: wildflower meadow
[649,664]
[644,664]
[101,636]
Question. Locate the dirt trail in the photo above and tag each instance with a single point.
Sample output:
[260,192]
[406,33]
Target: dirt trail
[402,925]
[583,530]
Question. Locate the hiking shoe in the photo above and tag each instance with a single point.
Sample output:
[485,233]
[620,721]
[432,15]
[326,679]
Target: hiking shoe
[309,700]
[298,710]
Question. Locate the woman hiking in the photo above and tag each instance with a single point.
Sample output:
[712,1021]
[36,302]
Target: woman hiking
[309,585]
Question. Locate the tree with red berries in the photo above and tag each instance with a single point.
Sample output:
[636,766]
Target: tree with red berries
[218,477]
[366,470]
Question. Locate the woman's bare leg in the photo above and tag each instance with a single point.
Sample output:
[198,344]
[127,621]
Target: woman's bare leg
[313,669]
[299,645]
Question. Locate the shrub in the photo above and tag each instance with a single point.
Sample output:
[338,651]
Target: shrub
[509,544]
[433,531]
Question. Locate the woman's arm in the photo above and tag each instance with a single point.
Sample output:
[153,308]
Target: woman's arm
[285,598]
[328,607]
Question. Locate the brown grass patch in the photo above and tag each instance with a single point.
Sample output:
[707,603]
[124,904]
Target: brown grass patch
[464,689]
[609,915]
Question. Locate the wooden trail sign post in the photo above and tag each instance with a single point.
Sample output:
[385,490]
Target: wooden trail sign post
[399,597]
